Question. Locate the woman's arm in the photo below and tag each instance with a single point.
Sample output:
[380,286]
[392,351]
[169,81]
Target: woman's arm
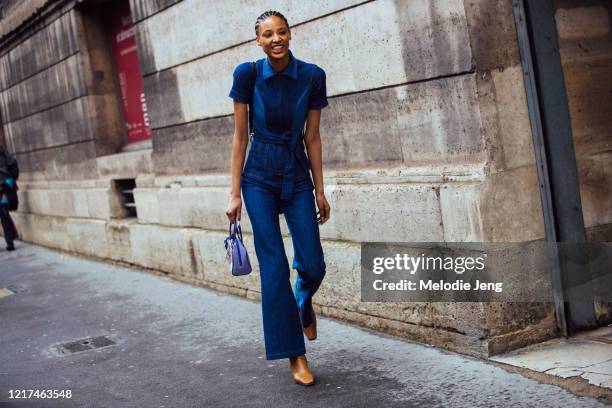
[312,138]
[239,144]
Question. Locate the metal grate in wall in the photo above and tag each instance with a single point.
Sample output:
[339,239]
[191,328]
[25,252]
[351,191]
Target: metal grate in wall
[126,189]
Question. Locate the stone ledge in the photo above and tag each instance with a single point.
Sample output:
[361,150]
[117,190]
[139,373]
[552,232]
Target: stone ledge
[129,164]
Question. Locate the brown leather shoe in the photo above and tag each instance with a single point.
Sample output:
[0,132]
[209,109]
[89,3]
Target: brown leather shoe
[301,372]
[311,331]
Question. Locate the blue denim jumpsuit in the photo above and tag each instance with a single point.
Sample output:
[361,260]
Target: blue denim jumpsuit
[276,179]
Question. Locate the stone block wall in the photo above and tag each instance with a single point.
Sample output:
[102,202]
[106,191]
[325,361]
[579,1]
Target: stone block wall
[426,139]
[56,115]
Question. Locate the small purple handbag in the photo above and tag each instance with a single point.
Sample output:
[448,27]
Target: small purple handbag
[236,251]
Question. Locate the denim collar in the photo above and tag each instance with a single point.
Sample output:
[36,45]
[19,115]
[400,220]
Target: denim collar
[290,70]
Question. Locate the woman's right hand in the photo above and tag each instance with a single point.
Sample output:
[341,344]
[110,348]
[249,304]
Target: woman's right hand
[234,209]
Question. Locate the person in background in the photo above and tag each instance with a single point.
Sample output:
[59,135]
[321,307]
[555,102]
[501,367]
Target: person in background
[9,172]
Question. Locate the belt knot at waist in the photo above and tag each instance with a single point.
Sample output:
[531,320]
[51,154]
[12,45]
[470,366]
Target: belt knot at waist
[292,139]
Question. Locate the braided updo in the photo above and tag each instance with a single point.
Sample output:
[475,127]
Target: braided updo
[267,14]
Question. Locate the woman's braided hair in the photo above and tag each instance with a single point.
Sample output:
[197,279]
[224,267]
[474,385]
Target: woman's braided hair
[267,14]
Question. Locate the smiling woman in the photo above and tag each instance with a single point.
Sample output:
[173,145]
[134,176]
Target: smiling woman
[267,40]
[284,95]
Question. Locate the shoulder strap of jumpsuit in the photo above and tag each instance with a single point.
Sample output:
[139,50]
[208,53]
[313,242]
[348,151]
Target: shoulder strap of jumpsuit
[253,79]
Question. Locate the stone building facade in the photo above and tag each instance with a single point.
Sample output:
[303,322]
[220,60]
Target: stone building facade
[427,138]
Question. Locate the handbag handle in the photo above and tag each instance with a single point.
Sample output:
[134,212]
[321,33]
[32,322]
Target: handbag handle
[237,229]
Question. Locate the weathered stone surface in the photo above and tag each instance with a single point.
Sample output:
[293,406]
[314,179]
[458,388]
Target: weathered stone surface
[46,47]
[118,238]
[194,23]
[603,310]
[163,98]
[147,205]
[84,236]
[490,124]
[439,121]
[599,233]
[461,218]
[101,204]
[30,202]
[194,147]
[510,206]
[515,325]
[43,230]
[420,124]
[354,127]
[70,162]
[581,22]
[104,103]
[585,44]
[492,33]
[145,49]
[67,123]
[106,123]
[384,213]
[87,236]
[357,65]
[125,165]
[142,9]
[595,174]
[73,203]
[589,90]
[415,208]
[514,124]
[151,246]
[55,85]
[17,12]
[421,40]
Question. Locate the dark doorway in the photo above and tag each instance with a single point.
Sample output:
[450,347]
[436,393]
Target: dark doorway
[113,76]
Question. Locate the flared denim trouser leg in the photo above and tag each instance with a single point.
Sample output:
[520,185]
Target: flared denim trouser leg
[285,312]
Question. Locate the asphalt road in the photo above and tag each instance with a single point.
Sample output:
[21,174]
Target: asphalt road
[185,346]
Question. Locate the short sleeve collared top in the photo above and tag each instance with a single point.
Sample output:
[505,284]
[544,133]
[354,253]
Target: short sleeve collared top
[282,99]
[280,102]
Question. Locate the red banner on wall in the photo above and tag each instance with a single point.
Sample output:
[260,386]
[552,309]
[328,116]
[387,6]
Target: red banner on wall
[129,76]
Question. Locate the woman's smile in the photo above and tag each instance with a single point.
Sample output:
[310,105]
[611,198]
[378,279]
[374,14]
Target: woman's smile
[273,35]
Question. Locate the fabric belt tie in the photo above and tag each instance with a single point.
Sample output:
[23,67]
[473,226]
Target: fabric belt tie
[292,139]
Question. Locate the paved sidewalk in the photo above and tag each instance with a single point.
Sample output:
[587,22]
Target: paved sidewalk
[185,346]
[588,355]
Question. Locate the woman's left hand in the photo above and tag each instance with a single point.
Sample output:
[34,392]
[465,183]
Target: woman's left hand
[324,208]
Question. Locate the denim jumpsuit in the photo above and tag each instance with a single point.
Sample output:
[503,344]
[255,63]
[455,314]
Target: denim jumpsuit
[276,179]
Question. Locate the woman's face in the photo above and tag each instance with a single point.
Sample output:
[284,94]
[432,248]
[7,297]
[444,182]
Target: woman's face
[274,37]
